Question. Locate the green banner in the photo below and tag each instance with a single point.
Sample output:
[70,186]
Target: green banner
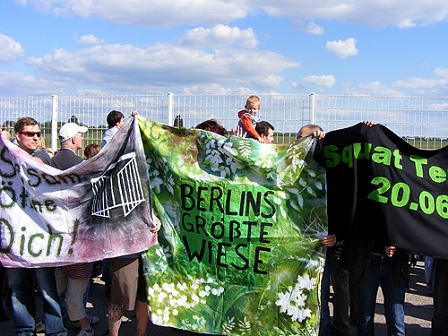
[239,251]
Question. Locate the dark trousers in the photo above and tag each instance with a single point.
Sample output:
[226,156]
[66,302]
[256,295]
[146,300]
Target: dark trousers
[440,317]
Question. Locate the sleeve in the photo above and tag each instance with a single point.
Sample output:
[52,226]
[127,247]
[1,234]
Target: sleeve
[246,121]
[41,154]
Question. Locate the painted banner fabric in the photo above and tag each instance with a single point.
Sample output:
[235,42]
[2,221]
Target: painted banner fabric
[379,184]
[100,208]
[239,250]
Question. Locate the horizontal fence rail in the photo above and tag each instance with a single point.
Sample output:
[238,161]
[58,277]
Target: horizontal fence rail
[422,121]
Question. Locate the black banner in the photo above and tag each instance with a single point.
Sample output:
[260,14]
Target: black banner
[378,184]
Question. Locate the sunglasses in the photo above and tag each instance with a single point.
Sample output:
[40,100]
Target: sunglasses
[31,134]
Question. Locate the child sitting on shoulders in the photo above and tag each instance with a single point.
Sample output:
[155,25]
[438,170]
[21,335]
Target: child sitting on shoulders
[248,118]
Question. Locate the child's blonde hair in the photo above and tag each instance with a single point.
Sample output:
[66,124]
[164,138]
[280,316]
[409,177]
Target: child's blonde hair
[253,100]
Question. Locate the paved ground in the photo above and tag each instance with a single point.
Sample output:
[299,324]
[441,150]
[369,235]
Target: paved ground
[418,310]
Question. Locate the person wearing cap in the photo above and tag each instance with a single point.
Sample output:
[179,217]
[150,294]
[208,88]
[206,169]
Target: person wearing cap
[73,279]
[21,280]
[70,137]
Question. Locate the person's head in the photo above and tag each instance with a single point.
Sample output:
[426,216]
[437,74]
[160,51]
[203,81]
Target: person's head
[212,126]
[308,130]
[41,142]
[266,131]
[91,150]
[115,118]
[252,105]
[27,134]
[70,136]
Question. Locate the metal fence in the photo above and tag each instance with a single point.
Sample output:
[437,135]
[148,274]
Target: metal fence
[422,121]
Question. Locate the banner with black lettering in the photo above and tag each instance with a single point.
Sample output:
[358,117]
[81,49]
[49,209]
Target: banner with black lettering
[380,184]
[239,251]
[98,209]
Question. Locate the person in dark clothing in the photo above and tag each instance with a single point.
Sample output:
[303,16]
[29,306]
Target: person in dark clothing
[379,264]
[212,125]
[73,280]
[21,280]
[439,325]
[266,131]
[27,133]
[70,136]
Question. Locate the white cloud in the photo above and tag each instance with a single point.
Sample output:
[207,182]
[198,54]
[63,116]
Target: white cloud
[9,49]
[342,49]
[314,29]
[156,13]
[91,92]
[129,68]
[324,81]
[221,36]
[401,13]
[296,85]
[441,72]
[216,89]
[16,83]
[374,89]
[89,40]
[423,86]
[414,86]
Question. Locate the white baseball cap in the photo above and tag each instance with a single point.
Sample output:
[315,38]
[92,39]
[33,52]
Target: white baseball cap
[69,130]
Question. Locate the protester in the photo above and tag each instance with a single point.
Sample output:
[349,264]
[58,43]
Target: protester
[330,240]
[376,261]
[440,316]
[91,150]
[429,274]
[266,131]
[42,146]
[73,279]
[3,316]
[335,272]
[344,290]
[315,130]
[128,290]
[325,318]
[248,118]
[21,280]
[380,264]
[128,287]
[115,119]
[212,125]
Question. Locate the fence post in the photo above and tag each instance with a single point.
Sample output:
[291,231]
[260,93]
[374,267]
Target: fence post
[311,108]
[170,109]
[54,122]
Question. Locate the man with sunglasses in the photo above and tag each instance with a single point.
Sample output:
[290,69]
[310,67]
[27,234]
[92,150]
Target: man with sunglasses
[27,136]
[22,280]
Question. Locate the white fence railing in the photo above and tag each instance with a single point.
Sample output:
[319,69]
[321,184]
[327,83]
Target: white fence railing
[422,120]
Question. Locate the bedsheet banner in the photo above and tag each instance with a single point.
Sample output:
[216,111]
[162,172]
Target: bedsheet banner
[239,251]
[98,209]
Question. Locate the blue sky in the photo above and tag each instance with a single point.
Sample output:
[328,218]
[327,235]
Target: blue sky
[84,47]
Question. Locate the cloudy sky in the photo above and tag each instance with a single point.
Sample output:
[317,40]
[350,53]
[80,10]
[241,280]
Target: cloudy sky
[75,47]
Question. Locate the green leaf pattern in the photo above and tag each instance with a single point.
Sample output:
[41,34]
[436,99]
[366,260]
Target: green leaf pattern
[199,295]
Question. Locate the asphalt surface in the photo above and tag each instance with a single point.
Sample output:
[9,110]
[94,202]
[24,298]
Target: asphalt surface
[418,311]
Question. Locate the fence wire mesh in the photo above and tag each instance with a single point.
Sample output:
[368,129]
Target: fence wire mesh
[422,121]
